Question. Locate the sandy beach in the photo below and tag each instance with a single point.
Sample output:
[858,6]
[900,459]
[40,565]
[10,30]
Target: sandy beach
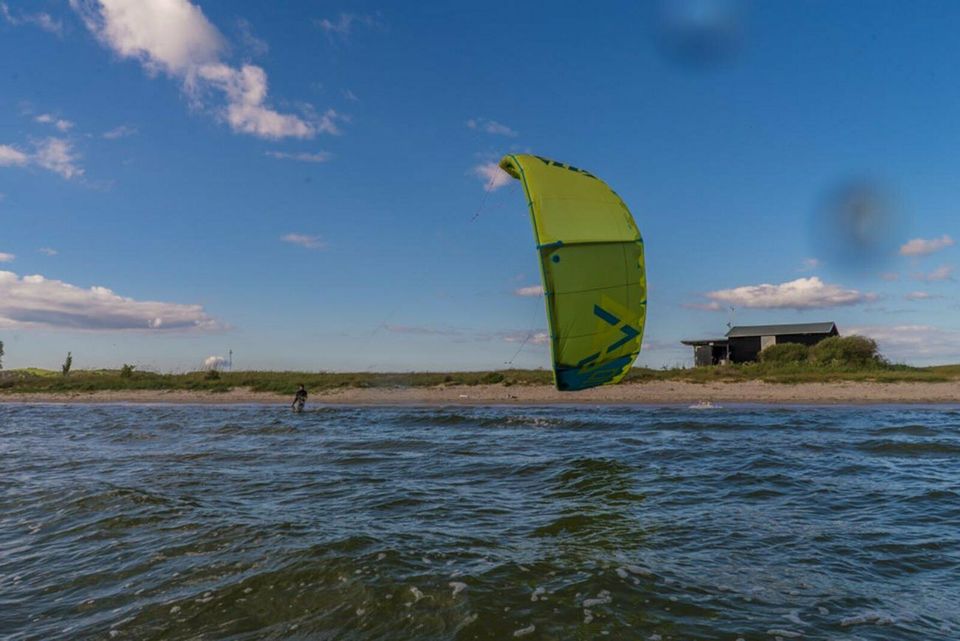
[650,393]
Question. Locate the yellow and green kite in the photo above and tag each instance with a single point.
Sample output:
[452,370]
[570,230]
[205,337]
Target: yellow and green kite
[591,262]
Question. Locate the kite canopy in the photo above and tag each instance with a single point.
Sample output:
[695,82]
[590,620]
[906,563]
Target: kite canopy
[591,261]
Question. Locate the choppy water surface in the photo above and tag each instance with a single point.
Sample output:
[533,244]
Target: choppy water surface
[479,523]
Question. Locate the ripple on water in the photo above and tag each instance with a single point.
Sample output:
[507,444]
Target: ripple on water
[479,523]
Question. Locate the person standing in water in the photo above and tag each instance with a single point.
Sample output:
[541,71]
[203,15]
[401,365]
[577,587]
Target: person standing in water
[300,399]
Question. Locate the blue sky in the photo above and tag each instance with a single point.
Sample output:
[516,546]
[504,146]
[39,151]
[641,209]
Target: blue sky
[300,184]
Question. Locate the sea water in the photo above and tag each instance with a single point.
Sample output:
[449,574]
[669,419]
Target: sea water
[669,523]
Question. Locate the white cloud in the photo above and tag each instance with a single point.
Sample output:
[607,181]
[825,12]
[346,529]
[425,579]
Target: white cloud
[810,264]
[802,293]
[921,296]
[174,37]
[169,36]
[11,156]
[349,95]
[6,258]
[491,127]
[492,176]
[214,362]
[712,306]
[53,154]
[245,112]
[48,251]
[119,132]
[43,20]
[253,44]
[530,338]
[343,25]
[59,123]
[912,343]
[461,335]
[944,272]
[423,330]
[532,290]
[305,240]
[925,247]
[57,155]
[327,122]
[38,302]
[320,156]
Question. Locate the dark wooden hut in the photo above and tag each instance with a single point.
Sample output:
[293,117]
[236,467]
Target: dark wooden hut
[744,343]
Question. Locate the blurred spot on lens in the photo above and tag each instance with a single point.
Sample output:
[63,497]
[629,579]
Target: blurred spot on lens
[857,226]
[700,33]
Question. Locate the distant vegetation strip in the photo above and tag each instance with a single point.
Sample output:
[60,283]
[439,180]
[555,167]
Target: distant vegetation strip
[39,381]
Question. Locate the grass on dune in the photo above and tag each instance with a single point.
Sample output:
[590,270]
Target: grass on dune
[39,381]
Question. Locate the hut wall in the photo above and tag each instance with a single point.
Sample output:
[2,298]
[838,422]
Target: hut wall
[745,349]
[703,355]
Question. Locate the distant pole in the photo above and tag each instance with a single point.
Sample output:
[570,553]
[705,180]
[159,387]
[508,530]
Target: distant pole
[230,360]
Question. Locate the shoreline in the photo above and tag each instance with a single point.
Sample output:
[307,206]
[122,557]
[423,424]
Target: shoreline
[649,393]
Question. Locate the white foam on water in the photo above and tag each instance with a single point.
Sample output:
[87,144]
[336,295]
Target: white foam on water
[381,556]
[361,612]
[601,599]
[784,633]
[417,594]
[704,405]
[794,617]
[823,610]
[871,617]
[470,618]
[458,587]
[657,637]
[587,616]
[522,632]
[537,593]
[622,573]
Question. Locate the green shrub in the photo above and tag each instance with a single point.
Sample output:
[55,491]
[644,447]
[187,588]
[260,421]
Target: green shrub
[784,353]
[855,351]
[127,371]
[212,375]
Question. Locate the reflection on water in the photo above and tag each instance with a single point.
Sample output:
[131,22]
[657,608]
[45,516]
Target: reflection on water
[479,523]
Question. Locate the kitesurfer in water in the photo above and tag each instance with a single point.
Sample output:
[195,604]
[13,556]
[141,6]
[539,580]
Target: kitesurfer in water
[300,399]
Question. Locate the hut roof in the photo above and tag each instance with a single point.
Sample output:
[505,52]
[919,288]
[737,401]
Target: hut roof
[741,331]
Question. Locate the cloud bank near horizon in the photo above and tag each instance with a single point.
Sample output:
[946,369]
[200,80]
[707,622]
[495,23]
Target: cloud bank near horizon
[35,302]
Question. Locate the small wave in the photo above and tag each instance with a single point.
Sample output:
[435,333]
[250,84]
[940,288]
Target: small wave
[888,447]
[868,618]
[908,430]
